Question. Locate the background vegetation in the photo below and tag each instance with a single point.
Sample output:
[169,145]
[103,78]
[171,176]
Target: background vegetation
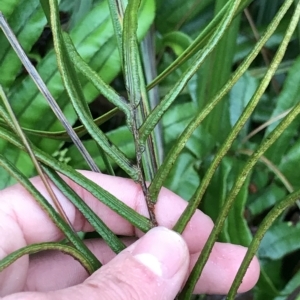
[267,91]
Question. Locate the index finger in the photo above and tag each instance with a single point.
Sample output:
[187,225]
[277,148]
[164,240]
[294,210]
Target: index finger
[28,222]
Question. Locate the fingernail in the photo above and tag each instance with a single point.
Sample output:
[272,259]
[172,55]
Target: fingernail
[162,251]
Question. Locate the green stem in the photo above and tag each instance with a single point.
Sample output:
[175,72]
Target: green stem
[135,86]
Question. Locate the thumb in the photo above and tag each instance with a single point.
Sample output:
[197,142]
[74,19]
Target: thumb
[154,267]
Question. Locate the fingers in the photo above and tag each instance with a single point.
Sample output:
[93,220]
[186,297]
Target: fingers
[63,271]
[27,223]
[18,205]
[154,267]
[221,269]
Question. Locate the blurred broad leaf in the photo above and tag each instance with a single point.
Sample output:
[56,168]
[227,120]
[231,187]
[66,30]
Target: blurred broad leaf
[289,96]
[266,199]
[280,240]
[27,20]
[121,137]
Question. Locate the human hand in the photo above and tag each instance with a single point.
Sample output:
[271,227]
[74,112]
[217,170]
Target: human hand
[153,267]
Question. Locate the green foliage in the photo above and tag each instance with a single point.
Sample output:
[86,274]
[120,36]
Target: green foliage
[228,114]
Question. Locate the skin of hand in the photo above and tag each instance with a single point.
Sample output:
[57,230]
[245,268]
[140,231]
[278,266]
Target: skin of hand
[153,266]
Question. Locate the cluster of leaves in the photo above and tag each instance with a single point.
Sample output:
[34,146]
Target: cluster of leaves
[221,130]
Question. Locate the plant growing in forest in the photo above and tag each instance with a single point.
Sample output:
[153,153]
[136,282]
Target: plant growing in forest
[195,127]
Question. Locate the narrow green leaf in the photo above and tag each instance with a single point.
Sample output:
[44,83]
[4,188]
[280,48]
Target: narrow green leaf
[130,52]
[117,9]
[62,135]
[108,236]
[93,77]
[94,40]
[220,61]
[77,97]
[16,127]
[51,212]
[136,90]
[36,248]
[42,87]
[68,72]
